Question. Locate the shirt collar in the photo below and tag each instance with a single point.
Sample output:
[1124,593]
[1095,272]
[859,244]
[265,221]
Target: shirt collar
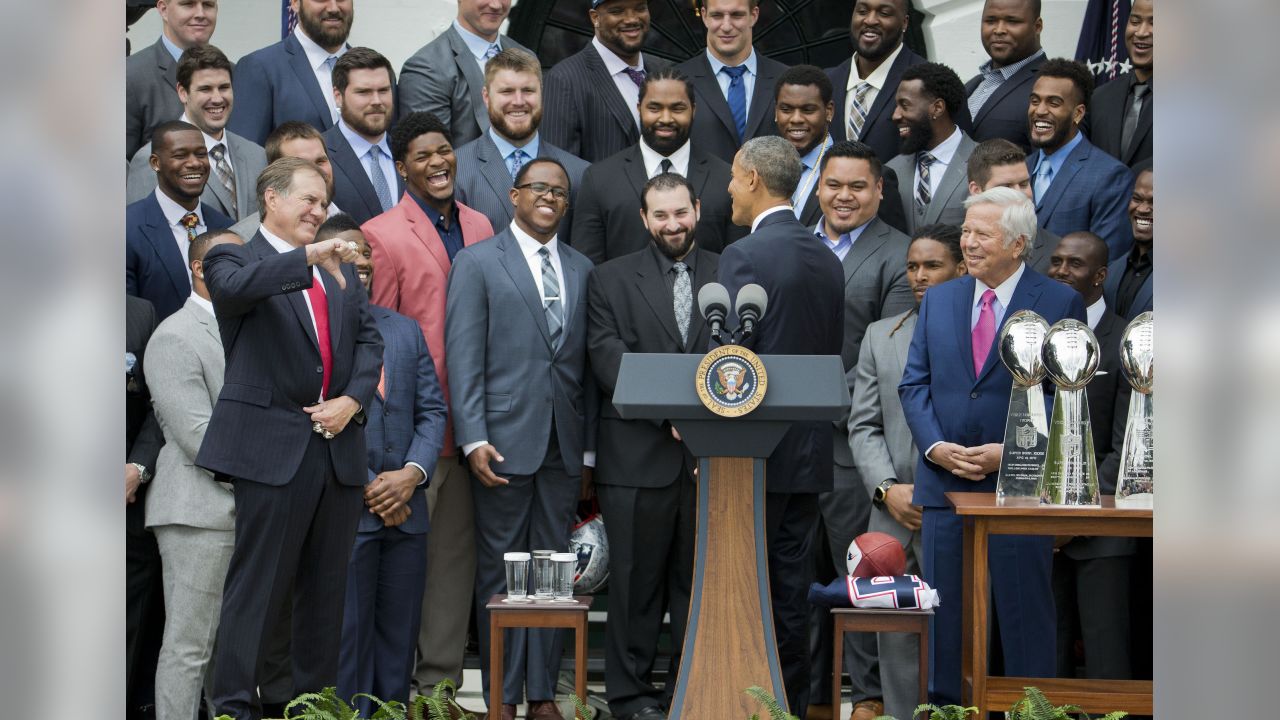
[209,140]
[716,65]
[776,208]
[810,159]
[173,212]
[476,44]
[1093,313]
[280,244]
[1004,291]
[434,215]
[1138,260]
[947,148]
[612,62]
[316,55]
[679,159]
[169,45]
[205,305]
[528,246]
[506,147]
[359,145]
[665,263]
[821,232]
[1058,157]
[878,76]
[1008,71]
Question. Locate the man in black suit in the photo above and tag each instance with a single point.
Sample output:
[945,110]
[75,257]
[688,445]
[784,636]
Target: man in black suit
[591,96]
[1091,574]
[1129,280]
[1000,163]
[733,82]
[865,84]
[1120,116]
[365,181]
[805,285]
[643,303]
[303,359]
[151,75]
[998,93]
[607,223]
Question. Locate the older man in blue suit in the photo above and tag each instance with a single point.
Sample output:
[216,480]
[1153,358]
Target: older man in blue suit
[955,395]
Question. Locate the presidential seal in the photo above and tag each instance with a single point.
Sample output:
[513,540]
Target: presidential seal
[731,381]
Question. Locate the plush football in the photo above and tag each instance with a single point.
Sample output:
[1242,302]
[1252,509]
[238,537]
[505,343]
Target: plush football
[874,554]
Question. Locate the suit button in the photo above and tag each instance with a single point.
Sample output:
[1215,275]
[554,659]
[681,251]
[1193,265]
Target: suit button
[387,448]
[320,369]
[386,411]
[974,395]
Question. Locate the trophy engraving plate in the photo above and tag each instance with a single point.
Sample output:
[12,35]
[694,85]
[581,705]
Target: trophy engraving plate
[1136,484]
[1071,357]
[1026,430]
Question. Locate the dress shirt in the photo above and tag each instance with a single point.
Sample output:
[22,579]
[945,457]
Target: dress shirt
[653,161]
[450,237]
[173,213]
[993,78]
[476,44]
[776,208]
[210,141]
[843,244]
[809,174]
[1093,313]
[506,147]
[361,148]
[172,47]
[617,70]
[748,77]
[1056,160]
[316,57]
[876,80]
[206,305]
[283,246]
[1136,271]
[942,155]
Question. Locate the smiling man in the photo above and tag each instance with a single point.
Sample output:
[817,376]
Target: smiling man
[1120,119]
[150,74]
[365,182]
[1010,34]
[1130,278]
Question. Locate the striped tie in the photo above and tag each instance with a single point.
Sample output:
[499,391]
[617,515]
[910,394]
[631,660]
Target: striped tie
[551,297]
[923,192]
[858,111]
[226,175]
[379,178]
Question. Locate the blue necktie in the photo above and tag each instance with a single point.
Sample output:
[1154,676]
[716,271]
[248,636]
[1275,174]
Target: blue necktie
[518,159]
[379,179]
[1044,178]
[737,97]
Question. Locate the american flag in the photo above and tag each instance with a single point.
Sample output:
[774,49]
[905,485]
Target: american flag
[287,19]
[1101,44]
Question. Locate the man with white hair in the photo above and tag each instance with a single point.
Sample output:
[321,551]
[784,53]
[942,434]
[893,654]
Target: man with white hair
[955,395]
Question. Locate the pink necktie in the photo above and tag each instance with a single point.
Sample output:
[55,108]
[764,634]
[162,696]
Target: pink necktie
[984,333]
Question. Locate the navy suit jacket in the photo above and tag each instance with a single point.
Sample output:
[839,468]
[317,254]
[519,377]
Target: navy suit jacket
[942,399]
[153,267]
[1142,302]
[407,425]
[1004,114]
[805,284]
[878,131]
[1090,192]
[273,85]
[352,188]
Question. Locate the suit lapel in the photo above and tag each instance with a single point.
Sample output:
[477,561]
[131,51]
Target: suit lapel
[868,243]
[466,63]
[496,173]
[633,168]
[571,283]
[885,97]
[262,249]
[612,98]
[954,178]
[839,92]
[425,231]
[341,154]
[307,79]
[902,343]
[699,333]
[202,316]
[1024,75]
[706,84]
[962,310]
[761,97]
[516,267]
[653,289]
[1058,186]
[245,190]
[1140,133]
[811,213]
[214,186]
[162,241]
[1024,297]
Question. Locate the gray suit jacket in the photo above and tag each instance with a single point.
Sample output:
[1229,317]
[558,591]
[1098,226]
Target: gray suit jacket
[947,204]
[484,181]
[151,94]
[248,159]
[443,78]
[185,366]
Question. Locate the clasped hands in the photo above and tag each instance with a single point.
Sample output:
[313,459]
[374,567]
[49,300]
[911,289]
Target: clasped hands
[970,463]
[388,495]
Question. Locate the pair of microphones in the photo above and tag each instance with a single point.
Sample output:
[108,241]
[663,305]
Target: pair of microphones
[713,302]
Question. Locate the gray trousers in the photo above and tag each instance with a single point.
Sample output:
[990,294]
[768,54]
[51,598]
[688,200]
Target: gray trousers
[195,565]
[899,652]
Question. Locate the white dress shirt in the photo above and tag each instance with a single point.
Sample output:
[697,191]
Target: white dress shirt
[173,214]
[206,305]
[316,57]
[776,208]
[841,244]
[942,156]
[876,80]
[617,70]
[1093,313]
[361,148]
[653,161]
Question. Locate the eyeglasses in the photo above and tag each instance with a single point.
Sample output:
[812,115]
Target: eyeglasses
[541,188]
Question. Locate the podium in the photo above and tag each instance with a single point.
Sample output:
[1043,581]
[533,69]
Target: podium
[729,644]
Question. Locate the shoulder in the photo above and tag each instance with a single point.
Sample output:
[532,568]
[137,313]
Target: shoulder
[265,56]
[880,329]
[766,64]
[619,267]
[389,319]
[576,258]
[840,72]
[470,152]
[141,61]
[1116,88]
[572,66]
[713,164]
[571,162]
[136,212]
[243,145]
[711,259]
[900,163]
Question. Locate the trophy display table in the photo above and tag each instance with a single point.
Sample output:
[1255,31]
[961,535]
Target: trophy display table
[536,614]
[983,518]
[876,620]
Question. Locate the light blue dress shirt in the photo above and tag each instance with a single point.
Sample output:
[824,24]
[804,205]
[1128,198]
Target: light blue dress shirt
[748,78]
[361,147]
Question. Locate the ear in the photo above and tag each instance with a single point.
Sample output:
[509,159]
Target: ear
[831,111]
[697,209]
[755,15]
[973,188]
[1100,276]
[182,94]
[1077,114]
[880,187]
[402,170]
[513,193]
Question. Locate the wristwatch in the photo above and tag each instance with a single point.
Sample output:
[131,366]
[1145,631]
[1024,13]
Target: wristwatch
[882,490]
[143,473]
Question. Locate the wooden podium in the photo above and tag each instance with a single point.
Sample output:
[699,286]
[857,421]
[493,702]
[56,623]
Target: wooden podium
[729,645]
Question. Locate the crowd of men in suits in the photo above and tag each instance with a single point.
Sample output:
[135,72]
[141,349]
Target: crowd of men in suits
[382,319]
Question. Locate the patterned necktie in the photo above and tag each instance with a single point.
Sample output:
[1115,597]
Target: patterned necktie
[518,159]
[1044,178]
[223,170]
[858,111]
[190,221]
[682,297]
[737,97]
[637,76]
[491,51]
[1131,118]
[665,166]
[379,179]
[329,62]
[924,193]
[984,333]
[551,297]
[320,310]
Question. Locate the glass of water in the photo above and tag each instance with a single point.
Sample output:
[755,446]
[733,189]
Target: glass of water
[563,565]
[517,576]
[543,575]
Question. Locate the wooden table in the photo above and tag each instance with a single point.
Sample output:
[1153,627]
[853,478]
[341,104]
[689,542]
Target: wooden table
[540,614]
[877,620]
[983,518]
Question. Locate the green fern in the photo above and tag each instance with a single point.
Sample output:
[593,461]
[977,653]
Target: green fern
[946,712]
[580,707]
[438,704]
[776,712]
[1035,706]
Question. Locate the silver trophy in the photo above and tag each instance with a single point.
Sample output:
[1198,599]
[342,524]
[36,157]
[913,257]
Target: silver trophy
[1026,428]
[1071,356]
[1136,487]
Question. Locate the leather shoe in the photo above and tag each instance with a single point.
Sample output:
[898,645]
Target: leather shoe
[543,710]
[508,712]
[457,712]
[819,712]
[867,710]
[648,713]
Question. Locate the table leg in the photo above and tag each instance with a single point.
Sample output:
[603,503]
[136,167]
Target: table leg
[580,662]
[924,662]
[837,658]
[977,581]
[495,668]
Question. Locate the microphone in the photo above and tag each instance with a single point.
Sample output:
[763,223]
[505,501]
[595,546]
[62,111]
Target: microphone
[751,304]
[713,303]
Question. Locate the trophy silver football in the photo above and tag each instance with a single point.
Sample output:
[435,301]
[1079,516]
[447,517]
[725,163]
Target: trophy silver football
[1026,428]
[1071,356]
[1136,486]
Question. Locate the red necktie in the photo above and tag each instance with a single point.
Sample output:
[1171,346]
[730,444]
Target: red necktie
[984,333]
[320,310]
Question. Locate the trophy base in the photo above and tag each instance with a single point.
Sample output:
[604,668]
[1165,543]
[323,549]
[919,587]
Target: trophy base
[1072,505]
[1137,501]
[1018,501]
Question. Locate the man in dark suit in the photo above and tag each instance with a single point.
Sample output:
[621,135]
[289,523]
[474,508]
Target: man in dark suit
[159,227]
[591,96]
[955,394]
[1091,574]
[523,407]
[151,75]
[447,75]
[1120,118]
[487,166]
[865,84]
[365,181]
[998,93]
[1130,277]
[1076,186]
[292,79]
[143,438]
[935,151]
[1000,163]
[643,303]
[805,285]
[387,574]
[608,222]
[873,257]
[733,82]
[303,359]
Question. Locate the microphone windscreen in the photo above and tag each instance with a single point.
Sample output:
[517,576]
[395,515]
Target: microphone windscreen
[712,294]
[753,294]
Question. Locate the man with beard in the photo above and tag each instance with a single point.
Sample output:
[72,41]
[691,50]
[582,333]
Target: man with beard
[365,182]
[1129,278]
[294,139]
[644,303]
[487,166]
[935,151]
[150,74]
[1121,117]
[998,93]
[1076,186]
[865,83]
[293,79]
[447,75]
[608,222]
[873,260]
[591,96]
[1000,163]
